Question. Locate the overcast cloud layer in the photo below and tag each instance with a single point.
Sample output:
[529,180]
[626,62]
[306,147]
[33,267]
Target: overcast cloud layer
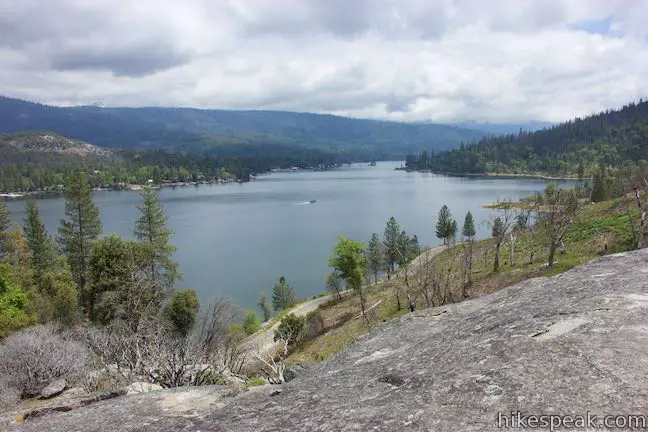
[494,60]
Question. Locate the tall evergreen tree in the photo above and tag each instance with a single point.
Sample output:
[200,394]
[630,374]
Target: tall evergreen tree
[5,224]
[444,224]
[452,230]
[599,190]
[392,233]
[38,241]
[404,249]
[151,229]
[468,232]
[79,230]
[283,295]
[375,256]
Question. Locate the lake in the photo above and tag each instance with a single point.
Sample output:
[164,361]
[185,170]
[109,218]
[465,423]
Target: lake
[238,239]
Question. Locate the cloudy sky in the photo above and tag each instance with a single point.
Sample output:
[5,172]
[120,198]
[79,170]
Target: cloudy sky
[440,60]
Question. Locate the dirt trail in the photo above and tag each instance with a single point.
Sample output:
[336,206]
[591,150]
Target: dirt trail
[262,341]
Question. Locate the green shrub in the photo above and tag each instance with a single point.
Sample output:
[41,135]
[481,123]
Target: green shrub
[181,310]
[290,329]
[251,322]
[255,381]
[13,304]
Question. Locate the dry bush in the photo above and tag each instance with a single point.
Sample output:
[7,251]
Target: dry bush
[9,396]
[313,325]
[34,357]
[155,353]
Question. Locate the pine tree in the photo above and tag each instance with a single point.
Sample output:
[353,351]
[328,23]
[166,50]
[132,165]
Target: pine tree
[599,191]
[5,224]
[151,229]
[468,232]
[283,295]
[444,224]
[392,233]
[82,227]
[452,230]
[38,241]
[404,244]
[375,256]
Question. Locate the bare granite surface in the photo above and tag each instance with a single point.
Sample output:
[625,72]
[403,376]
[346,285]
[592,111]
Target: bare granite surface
[570,344]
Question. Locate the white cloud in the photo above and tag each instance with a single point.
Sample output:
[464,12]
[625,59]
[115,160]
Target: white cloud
[443,60]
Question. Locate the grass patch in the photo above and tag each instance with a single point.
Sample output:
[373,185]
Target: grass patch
[255,381]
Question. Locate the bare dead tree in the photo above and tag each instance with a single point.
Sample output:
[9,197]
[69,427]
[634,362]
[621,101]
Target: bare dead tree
[558,213]
[501,224]
[419,282]
[153,352]
[274,357]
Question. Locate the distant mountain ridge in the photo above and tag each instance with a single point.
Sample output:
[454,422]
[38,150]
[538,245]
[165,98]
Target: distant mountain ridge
[215,131]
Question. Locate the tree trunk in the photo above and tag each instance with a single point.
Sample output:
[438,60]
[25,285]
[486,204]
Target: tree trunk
[496,264]
[470,260]
[642,220]
[512,251]
[552,254]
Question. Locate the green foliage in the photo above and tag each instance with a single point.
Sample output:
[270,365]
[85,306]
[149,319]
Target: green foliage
[38,240]
[255,381]
[151,229]
[349,260]
[446,227]
[181,310]
[60,294]
[599,185]
[498,229]
[283,296]
[390,244]
[14,304]
[120,287]
[81,228]
[264,306]
[612,138]
[251,322]
[468,230]
[290,329]
[5,223]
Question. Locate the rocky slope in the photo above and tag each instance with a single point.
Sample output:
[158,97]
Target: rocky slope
[48,142]
[570,344]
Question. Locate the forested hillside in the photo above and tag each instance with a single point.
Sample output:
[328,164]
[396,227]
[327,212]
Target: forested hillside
[611,138]
[218,131]
[39,161]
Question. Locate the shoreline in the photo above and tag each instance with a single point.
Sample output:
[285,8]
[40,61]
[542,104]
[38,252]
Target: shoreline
[496,175]
[17,195]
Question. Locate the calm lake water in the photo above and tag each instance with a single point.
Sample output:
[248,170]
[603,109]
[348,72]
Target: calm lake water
[237,239]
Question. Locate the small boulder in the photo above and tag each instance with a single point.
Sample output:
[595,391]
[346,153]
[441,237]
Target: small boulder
[53,389]
[293,372]
[143,387]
